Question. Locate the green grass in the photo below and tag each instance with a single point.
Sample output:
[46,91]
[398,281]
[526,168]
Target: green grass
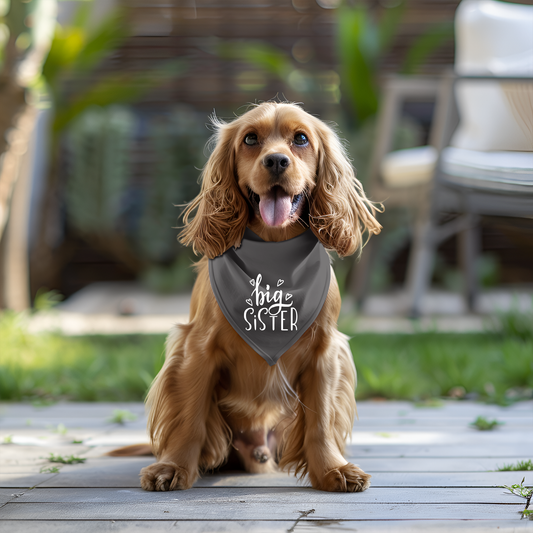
[519,466]
[422,367]
[482,424]
[48,367]
[121,416]
[487,366]
[66,460]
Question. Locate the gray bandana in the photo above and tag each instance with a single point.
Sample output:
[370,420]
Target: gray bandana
[271,292]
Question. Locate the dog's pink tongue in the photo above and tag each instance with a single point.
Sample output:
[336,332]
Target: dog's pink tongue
[275,206]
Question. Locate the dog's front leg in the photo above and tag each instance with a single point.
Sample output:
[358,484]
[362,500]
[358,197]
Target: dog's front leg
[327,392]
[180,400]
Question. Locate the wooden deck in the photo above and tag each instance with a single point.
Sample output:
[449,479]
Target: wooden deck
[431,472]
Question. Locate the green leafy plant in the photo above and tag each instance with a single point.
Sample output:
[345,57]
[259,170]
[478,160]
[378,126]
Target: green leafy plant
[49,470]
[135,223]
[78,52]
[523,492]
[482,424]
[66,460]
[121,416]
[46,300]
[518,466]
[77,441]
[362,41]
[519,490]
[8,439]
[364,37]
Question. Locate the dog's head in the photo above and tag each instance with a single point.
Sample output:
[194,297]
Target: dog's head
[274,165]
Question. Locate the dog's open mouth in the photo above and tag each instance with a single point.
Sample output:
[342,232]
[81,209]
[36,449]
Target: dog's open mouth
[276,206]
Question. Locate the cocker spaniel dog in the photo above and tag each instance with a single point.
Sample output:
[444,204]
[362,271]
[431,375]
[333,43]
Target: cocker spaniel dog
[277,173]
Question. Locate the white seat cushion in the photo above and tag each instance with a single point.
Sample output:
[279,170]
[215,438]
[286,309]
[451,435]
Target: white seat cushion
[405,168]
[497,167]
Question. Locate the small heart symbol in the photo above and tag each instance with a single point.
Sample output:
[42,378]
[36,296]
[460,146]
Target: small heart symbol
[288,296]
[252,282]
[249,302]
[280,282]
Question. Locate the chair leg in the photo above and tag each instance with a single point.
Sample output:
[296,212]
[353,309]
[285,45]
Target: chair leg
[420,266]
[359,279]
[469,244]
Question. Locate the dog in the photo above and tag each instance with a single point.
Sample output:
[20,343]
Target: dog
[279,172]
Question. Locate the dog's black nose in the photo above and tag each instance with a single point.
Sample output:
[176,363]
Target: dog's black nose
[276,163]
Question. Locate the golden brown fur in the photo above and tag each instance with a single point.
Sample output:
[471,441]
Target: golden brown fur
[214,394]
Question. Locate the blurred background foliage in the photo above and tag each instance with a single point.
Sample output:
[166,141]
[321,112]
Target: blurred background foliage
[130,84]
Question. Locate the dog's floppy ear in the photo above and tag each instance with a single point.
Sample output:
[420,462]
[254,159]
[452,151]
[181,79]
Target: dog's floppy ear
[216,219]
[339,210]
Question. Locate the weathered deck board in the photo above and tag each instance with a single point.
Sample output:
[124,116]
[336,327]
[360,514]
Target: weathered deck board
[7,495]
[479,449]
[389,479]
[372,464]
[23,480]
[232,510]
[234,526]
[124,476]
[458,496]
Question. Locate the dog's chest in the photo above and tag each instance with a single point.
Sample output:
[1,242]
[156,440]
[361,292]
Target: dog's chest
[254,386]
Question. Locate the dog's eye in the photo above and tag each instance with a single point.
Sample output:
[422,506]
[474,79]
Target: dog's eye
[250,139]
[300,139]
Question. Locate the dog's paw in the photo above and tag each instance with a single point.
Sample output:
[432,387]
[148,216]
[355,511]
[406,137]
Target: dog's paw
[347,478]
[166,476]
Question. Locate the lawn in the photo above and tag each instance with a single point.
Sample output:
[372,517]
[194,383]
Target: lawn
[488,366]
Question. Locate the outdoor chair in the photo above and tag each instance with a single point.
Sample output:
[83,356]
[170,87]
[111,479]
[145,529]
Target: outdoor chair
[483,167]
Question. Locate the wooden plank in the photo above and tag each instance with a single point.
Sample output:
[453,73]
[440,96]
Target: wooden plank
[25,469]
[7,495]
[301,495]
[23,480]
[48,438]
[46,423]
[100,410]
[177,510]
[373,465]
[467,436]
[394,479]
[127,526]
[446,408]
[72,423]
[438,423]
[36,455]
[366,409]
[103,472]
[425,464]
[254,526]
[512,449]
